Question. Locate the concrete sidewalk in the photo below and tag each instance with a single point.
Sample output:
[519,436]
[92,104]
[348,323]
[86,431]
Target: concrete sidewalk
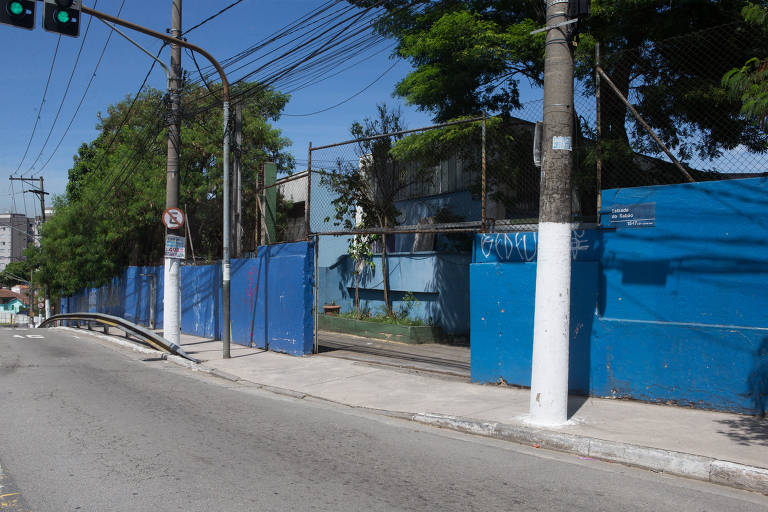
[728,449]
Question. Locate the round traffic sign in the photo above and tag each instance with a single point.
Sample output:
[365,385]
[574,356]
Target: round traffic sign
[173,218]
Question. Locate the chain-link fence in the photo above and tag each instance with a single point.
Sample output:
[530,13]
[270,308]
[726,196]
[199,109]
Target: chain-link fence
[653,115]
[665,117]
[281,212]
[423,180]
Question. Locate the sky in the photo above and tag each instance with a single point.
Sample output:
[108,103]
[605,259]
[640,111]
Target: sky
[29,54]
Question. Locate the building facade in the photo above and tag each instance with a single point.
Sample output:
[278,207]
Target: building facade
[15,234]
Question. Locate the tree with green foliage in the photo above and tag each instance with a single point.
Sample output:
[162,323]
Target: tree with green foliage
[109,216]
[16,272]
[749,84]
[471,56]
[366,189]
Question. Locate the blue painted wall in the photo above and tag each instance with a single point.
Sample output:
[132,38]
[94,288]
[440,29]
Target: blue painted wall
[439,282]
[438,279]
[271,298]
[673,313]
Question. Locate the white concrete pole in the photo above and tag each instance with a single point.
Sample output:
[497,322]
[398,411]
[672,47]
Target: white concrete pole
[172,301]
[551,324]
[172,277]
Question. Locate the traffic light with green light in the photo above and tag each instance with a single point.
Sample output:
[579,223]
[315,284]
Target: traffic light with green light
[19,13]
[62,17]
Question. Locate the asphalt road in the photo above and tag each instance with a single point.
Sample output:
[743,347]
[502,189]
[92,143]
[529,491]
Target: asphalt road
[88,426]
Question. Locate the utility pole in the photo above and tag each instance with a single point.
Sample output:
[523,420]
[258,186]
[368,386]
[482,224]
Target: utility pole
[41,193]
[30,315]
[551,325]
[47,299]
[225,104]
[238,181]
[225,261]
[172,268]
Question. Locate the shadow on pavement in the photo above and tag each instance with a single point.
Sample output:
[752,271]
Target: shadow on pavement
[746,430]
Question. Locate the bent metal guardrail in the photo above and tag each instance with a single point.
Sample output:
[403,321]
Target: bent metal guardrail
[153,339]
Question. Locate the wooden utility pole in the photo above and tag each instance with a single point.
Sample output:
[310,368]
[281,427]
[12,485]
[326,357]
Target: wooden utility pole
[549,372]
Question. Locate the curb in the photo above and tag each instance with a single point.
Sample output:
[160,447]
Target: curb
[731,474]
[698,467]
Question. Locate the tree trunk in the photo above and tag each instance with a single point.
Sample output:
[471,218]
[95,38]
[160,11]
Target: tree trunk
[617,151]
[385,272]
[357,288]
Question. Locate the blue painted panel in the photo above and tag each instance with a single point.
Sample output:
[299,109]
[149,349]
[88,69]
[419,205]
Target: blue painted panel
[706,261]
[138,288]
[248,300]
[725,369]
[290,323]
[201,300]
[682,313]
[501,316]
[272,299]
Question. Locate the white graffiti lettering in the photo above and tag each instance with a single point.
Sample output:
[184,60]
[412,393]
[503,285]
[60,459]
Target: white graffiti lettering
[525,245]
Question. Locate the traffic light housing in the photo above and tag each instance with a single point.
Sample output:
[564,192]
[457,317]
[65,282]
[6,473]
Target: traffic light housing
[19,13]
[62,17]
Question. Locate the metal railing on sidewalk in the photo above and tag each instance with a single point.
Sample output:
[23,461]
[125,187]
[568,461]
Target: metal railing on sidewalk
[153,339]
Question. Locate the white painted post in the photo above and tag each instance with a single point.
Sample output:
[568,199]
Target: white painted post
[551,325]
[172,301]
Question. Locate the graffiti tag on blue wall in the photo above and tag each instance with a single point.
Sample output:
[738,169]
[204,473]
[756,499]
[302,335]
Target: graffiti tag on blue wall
[522,246]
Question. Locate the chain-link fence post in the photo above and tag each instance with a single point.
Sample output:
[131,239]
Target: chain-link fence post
[308,201]
[598,138]
[484,192]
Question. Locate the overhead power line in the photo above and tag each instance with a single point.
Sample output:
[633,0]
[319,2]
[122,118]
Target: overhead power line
[123,121]
[209,18]
[93,75]
[66,90]
[313,48]
[42,102]
[348,99]
[85,93]
[320,51]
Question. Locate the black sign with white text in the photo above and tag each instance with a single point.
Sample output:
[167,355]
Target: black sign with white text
[633,215]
